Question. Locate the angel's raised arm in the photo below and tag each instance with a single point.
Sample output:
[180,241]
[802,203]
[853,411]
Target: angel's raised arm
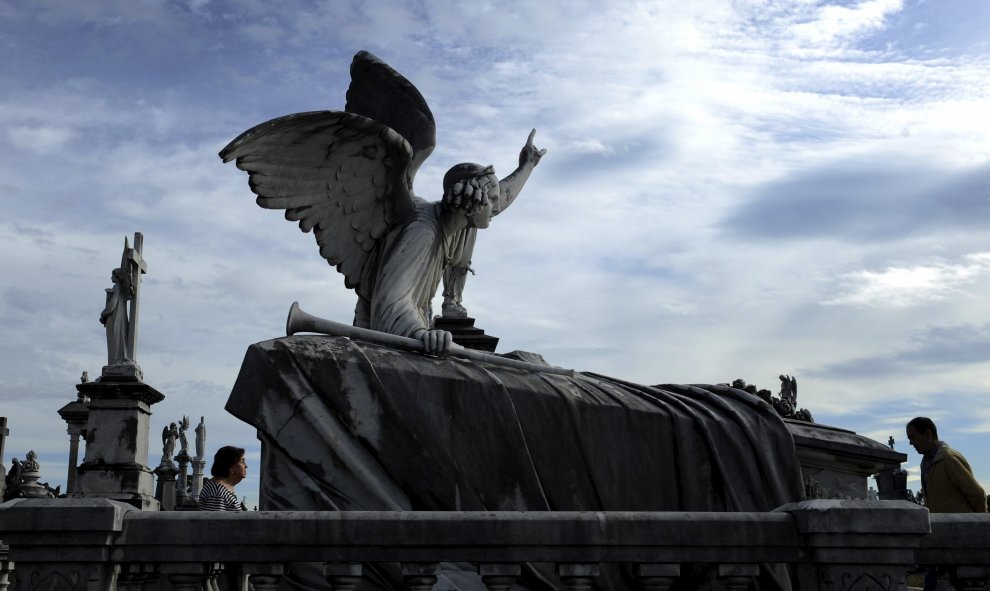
[510,186]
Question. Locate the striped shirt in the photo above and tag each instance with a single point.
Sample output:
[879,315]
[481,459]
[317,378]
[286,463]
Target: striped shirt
[216,497]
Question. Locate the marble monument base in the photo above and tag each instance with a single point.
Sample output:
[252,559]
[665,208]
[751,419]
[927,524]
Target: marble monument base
[466,334]
[116,462]
[121,372]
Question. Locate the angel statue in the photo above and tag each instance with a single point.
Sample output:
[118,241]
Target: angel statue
[348,177]
[169,435]
[183,440]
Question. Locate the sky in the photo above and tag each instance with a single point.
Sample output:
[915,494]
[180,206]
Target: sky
[732,189]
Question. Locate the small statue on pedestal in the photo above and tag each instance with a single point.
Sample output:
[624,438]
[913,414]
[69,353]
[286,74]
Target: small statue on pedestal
[169,435]
[120,314]
[183,441]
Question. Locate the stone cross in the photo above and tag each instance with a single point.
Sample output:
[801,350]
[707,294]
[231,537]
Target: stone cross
[136,266]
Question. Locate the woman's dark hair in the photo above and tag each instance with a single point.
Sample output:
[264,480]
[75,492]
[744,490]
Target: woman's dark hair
[226,458]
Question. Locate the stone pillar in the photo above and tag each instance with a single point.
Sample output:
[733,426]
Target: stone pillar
[63,544]
[182,485]
[198,465]
[75,415]
[116,461]
[856,545]
[165,491]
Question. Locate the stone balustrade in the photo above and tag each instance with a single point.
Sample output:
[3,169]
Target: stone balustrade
[100,545]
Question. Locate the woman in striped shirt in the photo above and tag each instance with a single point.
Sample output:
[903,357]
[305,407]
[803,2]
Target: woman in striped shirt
[228,469]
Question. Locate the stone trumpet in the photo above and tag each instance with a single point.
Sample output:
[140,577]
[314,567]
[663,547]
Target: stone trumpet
[300,321]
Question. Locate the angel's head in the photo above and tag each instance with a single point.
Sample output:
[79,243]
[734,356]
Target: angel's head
[471,189]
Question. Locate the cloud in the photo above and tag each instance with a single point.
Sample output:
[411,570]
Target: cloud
[870,200]
[909,286]
[931,349]
[835,25]
[41,139]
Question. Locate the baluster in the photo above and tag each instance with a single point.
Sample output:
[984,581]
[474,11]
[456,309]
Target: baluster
[657,577]
[6,571]
[343,576]
[187,576]
[499,576]
[213,576]
[134,576]
[264,577]
[420,576]
[578,576]
[737,577]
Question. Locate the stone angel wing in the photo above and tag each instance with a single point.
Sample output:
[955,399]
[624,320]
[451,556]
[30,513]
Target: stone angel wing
[379,92]
[342,175]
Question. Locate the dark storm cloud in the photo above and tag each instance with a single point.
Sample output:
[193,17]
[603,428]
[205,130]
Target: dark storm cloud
[937,346]
[864,201]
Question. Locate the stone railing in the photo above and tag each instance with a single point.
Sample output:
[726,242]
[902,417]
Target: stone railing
[100,545]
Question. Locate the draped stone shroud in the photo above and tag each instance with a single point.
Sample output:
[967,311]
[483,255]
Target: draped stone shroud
[349,426]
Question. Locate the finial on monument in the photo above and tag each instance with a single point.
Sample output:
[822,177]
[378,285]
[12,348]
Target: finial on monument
[120,314]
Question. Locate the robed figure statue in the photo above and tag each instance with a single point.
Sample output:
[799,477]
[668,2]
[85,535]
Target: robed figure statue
[119,315]
[114,317]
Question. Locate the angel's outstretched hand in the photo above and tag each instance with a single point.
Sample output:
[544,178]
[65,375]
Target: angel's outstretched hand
[530,155]
[436,342]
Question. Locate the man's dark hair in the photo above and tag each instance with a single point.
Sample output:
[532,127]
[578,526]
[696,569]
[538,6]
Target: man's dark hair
[922,425]
[226,458]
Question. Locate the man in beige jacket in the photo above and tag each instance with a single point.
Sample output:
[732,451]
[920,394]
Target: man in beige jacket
[946,479]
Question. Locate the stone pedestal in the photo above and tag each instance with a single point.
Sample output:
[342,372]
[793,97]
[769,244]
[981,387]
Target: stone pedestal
[63,544]
[197,477]
[165,492]
[837,463]
[466,334]
[857,545]
[116,462]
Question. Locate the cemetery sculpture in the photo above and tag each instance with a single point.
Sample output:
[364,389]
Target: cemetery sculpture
[169,434]
[183,440]
[348,176]
[201,438]
[348,425]
[120,314]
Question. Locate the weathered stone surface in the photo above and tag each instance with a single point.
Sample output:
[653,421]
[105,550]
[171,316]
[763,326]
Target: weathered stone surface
[836,463]
[115,465]
[350,426]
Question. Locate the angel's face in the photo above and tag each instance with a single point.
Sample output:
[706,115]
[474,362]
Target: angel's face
[483,215]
